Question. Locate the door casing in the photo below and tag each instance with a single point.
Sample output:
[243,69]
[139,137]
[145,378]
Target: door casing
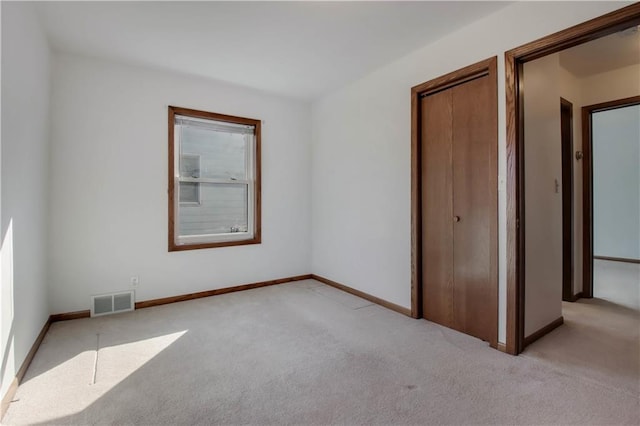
[486,67]
[514,62]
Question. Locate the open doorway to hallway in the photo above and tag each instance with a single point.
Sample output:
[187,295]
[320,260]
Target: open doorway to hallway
[582,209]
[558,191]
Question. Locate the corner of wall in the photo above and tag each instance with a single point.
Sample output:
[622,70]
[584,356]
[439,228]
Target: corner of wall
[24,178]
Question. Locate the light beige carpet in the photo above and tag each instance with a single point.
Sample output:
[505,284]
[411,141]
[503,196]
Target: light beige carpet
[299,353]
[599,341]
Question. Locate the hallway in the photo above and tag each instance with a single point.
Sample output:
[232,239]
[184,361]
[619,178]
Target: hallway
[599,341]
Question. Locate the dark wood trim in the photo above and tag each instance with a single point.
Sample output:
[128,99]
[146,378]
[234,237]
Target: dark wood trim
[514,61]
[8,397]
[578,34]
[502,348]
[213,116]
[587,206]
[515,208]
[208,293]
[543,331]
[70,316]
[170,182]
[587,185]
[455,78]
[479,69]
[617,259]
[574,297]
[363,295]
[416,200]
[615,104]
[257,234]
[181,298]
[32,352]
[11,391]
[568,240]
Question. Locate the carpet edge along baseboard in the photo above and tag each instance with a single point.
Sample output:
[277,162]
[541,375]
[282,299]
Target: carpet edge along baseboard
[66,316]
[183,297]
[543,331]
[8,397]
[13,387]
[363,295]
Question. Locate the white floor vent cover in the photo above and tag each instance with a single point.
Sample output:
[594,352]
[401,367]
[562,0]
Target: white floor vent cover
[113,303]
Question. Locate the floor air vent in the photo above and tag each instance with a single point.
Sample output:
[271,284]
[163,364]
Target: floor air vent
[112,303]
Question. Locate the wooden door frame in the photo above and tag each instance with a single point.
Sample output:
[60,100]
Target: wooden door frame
[587,184]
[514,63]
[486,67]
[567,199]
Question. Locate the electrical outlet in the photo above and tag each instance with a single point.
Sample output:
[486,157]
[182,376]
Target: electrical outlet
[135,281]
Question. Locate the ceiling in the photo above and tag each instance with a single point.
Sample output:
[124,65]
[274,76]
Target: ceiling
[608,53]
[296,49]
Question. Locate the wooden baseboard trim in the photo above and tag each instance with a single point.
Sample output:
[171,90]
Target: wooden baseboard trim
[70,316]
[11,392]
[617,259]
[370,298]
[543,331]
[208,293]
[577,296]
[8,397]
[502,347]
[183,297]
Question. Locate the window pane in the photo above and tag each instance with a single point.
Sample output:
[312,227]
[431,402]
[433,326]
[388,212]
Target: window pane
[222,155]
[189,192]
[190,165]
[222,209]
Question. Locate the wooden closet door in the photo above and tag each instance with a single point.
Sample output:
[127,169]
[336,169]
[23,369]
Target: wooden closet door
[474,136]
[437,208]
[454,200]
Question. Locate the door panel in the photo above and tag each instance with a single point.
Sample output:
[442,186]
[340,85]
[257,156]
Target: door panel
[437,231]
[454,146]
[474,135]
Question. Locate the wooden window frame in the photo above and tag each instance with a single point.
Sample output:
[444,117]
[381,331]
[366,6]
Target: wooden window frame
[172,201]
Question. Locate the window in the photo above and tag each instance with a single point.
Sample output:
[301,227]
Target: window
[214,180]
[189,191]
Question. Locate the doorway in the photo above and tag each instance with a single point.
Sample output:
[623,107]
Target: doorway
[610,180]
[454,201]
[514,63]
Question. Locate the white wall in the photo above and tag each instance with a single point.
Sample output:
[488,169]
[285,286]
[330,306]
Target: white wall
[543,193]
[616,183]
[361,151]
[24,177]
[611,85]
[109,184]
